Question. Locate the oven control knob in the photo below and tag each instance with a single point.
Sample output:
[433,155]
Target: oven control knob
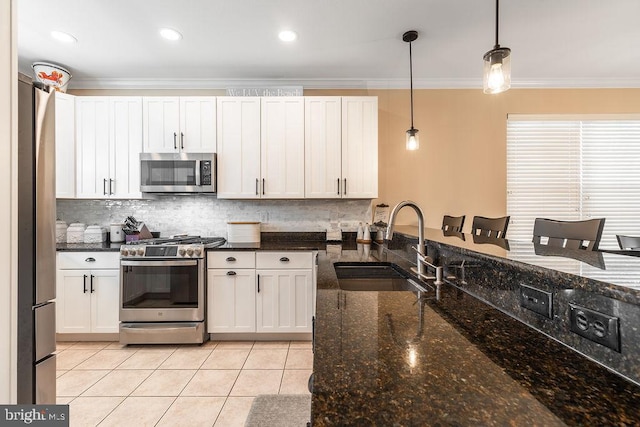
[124,252]
[197,251]
[182,251]
[140,251]
[190,251]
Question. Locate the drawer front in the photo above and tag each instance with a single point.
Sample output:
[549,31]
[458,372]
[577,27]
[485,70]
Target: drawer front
[284,260]
[231,259]
[88,260]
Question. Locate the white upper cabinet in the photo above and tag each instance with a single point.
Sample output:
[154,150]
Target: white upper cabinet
[360,147]
[65,145]
[282,147]
[126,146]
[323,147]
[109,142]
[341,147]
[179,124]
[238,147]
[92,139]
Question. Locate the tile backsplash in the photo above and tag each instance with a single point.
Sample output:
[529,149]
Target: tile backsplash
[208,216]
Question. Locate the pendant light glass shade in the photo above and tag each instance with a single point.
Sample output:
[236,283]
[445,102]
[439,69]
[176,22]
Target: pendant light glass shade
[413,141]
[497,65]
[497,70]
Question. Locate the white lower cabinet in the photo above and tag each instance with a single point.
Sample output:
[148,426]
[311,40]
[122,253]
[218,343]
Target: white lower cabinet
[231,300]
[284,302]
[259,291]
[87,299]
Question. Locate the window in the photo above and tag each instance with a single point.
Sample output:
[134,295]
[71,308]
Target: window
[573,168]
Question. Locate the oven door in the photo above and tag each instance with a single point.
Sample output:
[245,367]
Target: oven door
[162,290]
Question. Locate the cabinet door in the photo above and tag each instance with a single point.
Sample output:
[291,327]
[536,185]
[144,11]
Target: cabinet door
[198,124]
[73,301]
[282,147]
[161,124]
[360,147]
[238,129]
[322,139]
[92,144]
[126,146]
[104,287]
[284,301]
[65,145]
[231,300]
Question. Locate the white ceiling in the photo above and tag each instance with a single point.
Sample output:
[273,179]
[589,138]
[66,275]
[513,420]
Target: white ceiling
[341,44]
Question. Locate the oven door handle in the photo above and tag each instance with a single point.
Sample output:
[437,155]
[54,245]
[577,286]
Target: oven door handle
[167,263]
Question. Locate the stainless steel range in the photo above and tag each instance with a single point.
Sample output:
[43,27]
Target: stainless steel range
[163,290]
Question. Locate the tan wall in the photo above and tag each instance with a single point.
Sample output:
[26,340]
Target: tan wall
[461,165]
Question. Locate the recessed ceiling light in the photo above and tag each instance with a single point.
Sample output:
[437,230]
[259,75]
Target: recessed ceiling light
[287,36]
[170,34]
[61,36]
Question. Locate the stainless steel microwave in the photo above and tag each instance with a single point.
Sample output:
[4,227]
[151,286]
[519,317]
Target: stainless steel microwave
[178,172]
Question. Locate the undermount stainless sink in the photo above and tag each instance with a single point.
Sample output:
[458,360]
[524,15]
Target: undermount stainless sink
[374,277]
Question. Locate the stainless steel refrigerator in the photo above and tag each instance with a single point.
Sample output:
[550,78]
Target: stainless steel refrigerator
[36,244]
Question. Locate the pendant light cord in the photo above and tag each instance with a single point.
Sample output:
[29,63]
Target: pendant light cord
[497,21]
[411,82]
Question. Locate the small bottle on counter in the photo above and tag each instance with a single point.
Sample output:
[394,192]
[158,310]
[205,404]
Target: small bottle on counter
[360,234]
[367,234]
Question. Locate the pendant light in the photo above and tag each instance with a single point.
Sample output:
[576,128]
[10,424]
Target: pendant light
[413,142]
[497,65]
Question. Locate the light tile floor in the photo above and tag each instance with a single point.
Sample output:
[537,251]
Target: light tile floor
[214,384]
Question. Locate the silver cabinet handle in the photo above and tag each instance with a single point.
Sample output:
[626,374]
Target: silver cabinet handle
[111,181]
[182,140]
[90,259]
[344,192]
[175,145]
[231,259]
[104,186]
[231,273]
[284,259]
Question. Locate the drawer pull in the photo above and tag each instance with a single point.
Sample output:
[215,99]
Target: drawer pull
[90,259]
[231,259]
[231,273]
[284,259]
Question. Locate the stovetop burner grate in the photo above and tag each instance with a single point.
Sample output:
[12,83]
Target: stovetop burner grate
[184,240]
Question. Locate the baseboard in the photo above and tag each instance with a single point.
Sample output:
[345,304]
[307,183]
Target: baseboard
[88,337]
[252,336]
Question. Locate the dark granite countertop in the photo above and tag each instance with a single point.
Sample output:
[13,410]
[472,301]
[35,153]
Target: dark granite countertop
[404,358]
[272,241]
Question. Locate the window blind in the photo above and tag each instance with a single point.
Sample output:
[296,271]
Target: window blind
[571,169]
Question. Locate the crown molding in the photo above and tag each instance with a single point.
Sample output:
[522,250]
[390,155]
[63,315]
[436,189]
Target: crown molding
[347,83]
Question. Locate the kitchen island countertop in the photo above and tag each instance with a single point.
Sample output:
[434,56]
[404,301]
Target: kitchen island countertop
[407,358]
